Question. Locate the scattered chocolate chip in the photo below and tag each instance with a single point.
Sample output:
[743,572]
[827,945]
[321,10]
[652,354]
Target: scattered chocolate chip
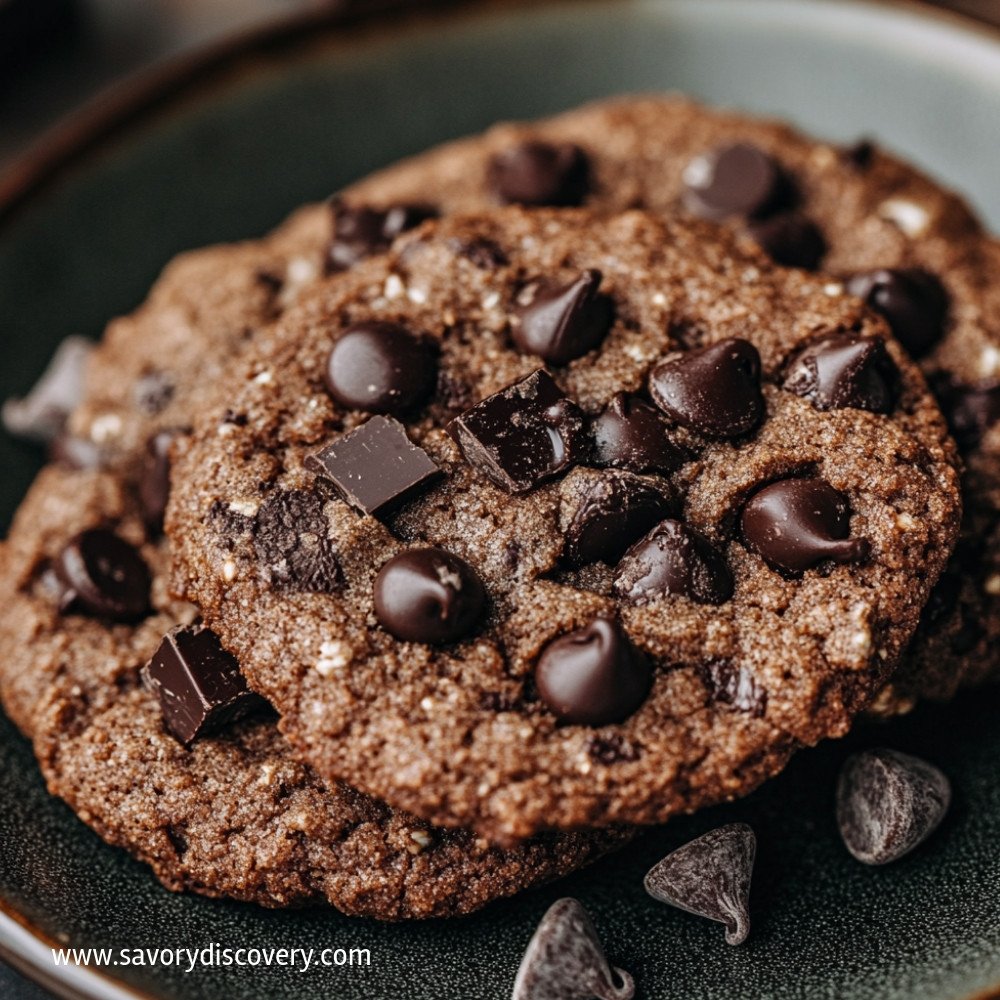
[76,452]
[913,301]
[482,252]
[560,322]
[790,239]
[153,392]
[796,523]
[271,281]
[381,368]
[428,595]
[360,232]
[41,415]
[887,803]
[734,686]
[103,575]
[710,877]
[971,410]
[859,155]
[611,749]
[714,390]
[630,434]
[674,559]
[565,960]
[376,467]
[154,479]
[522,435]
[844,370]
[540,173]
[198,684]
[593,676]
[734,180]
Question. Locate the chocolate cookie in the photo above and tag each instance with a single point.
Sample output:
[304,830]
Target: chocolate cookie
[488,600]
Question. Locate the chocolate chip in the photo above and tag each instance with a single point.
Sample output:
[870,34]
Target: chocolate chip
[153,392]
[291,540]
[198,684]
[796,523]
[714,390]
[734,180]
[859,155]
[360,232]
[710,877]
[381,368]
[103,575]
[428,595]
[844,370]
[674,559]
[630,434]
[482,252]
[611,749]
[524,434]
[560,322]
[376,467]
[154,479]
[734,686]
[593,676]
[790,239]
[887,803]
[565,960]
[540,173]
[913,301]
[971,410]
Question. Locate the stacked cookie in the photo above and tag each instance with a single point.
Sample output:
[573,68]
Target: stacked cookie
[548,484]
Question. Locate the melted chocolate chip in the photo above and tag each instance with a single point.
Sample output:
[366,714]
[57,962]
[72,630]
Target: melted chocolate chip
[540,173]
[710,877]
[713,391]
[914,302]
[674,559]
[593,676]
[790,239]
[104,576]
[971,410]
[560,322]
[381,368]
[796,523]
[734,180]
[428,595]
[154,479]
[630,434]
[360,232]
[734,686]
[844,370]
[522,435]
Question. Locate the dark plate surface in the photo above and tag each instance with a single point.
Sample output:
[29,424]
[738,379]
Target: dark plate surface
[294,119]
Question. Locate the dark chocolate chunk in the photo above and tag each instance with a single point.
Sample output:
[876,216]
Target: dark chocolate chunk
[710,877]
[790,239]
[360,232]
[674,559]
[615,509]
[970,409]
[859,155]
[734,686]
[376,467]
[540,173]
[482,252]
[560,322]
[153,392]
[428,595]
[565,960]
[844,370]
[103,575]
[524,434]
[888,803]
[714,390]
[796,523]
[154,479]
[913,301]
[593,676]
[381,368]
[630,434]
[198,684]
[41,415]
[734,180]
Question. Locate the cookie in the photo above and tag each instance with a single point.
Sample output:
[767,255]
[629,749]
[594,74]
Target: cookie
[455,605]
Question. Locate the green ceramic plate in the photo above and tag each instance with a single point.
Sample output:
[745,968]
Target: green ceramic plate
[289,118]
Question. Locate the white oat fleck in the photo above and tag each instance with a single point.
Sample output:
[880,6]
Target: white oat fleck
[394,287]
[992,585]
[659,299]
[989,361]
[427,704]
[417,295]
[833,289]
[229,571]
[905,521]
[421,841]
[491,300]
[264,378]
[105,427]
[911,218]
[333,655]
[248,508]
[302,270]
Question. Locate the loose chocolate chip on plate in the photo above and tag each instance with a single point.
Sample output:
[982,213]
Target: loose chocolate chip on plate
[360,232]
[790,239]
[198,684]
[381,367]
[630,434]
[376,467]
[734,180]
[713,391]
[796,523]
[710,877]
[540,173]
[428,595]
[844,370]
[524,434]
[971,410]
[154,479]
[887,803]
[104,576]
[560,322]
[565,960]
[913,301]
[593,676]
[674,559]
